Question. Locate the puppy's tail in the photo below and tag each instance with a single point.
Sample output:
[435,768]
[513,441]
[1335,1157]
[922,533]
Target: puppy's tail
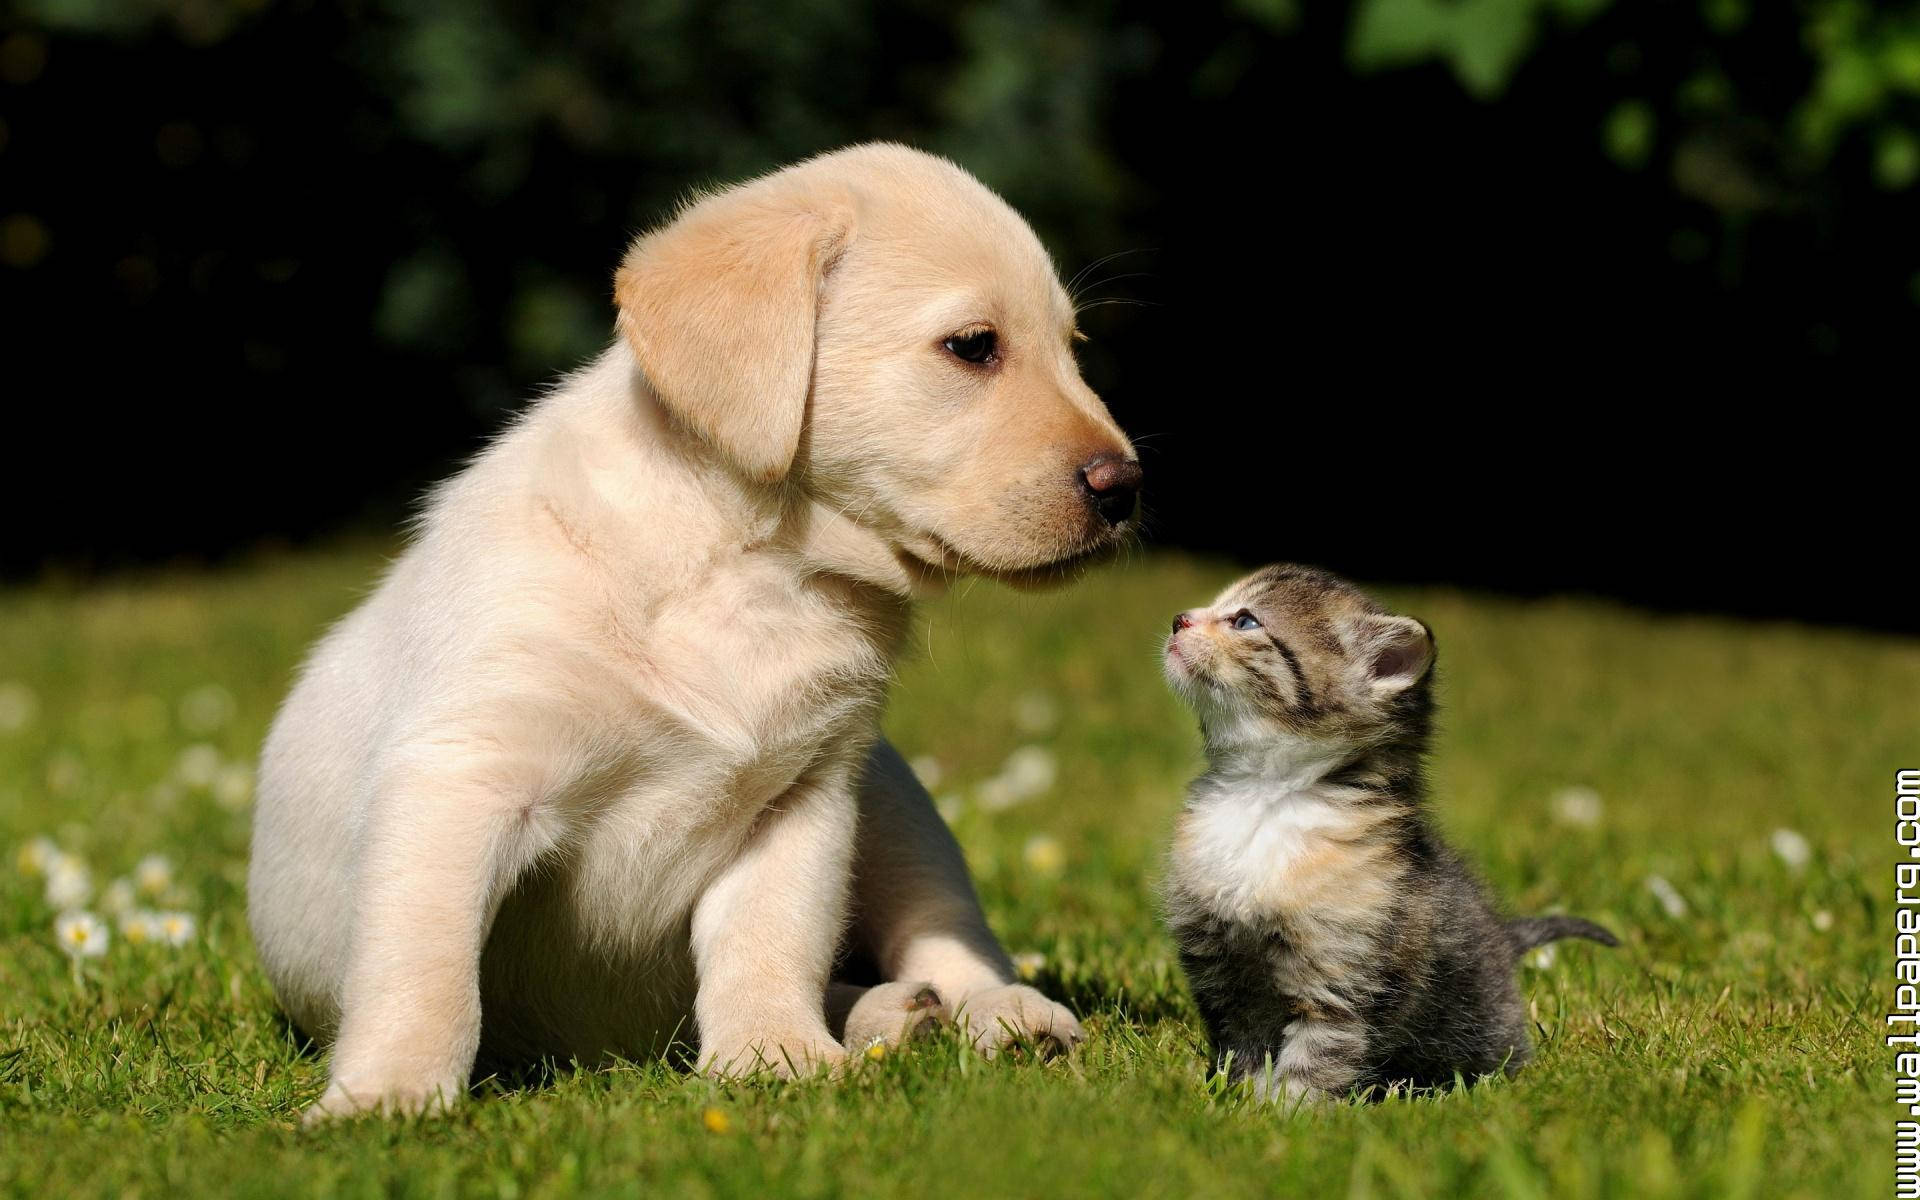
[1527,932]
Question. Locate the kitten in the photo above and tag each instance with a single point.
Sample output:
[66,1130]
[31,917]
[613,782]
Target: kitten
[1333,942]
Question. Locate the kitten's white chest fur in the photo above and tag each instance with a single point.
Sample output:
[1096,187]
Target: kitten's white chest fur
[1269,838]
[1233,848]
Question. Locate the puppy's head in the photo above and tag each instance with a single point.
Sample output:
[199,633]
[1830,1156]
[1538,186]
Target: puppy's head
[876,328]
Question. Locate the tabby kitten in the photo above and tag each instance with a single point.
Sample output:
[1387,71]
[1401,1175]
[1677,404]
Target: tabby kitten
[1333,942]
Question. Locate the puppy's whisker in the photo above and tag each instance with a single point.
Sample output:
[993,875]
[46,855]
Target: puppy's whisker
[1090,305]
[1113,279]
[1074,283]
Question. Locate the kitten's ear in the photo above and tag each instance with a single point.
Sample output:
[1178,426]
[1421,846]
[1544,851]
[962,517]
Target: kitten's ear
[1398,652]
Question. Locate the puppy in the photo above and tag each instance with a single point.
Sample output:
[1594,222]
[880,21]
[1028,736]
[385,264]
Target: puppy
[598,764]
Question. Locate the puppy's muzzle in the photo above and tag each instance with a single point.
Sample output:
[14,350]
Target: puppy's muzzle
[1111,485]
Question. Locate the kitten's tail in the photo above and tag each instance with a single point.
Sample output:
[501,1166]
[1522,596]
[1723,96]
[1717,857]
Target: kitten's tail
[1528,932]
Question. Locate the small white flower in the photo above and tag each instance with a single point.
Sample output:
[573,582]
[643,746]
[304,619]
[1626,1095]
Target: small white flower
[198,765]
[206,708]
[1540,958]
[37,856]
[1028,964]
[1030,771]
[81,934]
[69,883]
[926,768]
[995,794]
[119,897]
[1823,920]
[949,807]
[1668,896]
[233,786]
[1579,806]
[174,928]
[154,874]
[1035,712]
[18,705]
[140,926]
[1043,856]
[1792,849]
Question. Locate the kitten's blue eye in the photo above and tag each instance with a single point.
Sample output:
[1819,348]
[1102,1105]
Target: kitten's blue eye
[1245,620]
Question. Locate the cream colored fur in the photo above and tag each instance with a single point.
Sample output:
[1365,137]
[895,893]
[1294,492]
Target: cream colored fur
[597,764]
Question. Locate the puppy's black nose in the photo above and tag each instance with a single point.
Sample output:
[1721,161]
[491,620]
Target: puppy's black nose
[1112,484]
[1182,621]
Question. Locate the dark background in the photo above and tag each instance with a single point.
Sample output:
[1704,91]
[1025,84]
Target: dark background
[1539,295]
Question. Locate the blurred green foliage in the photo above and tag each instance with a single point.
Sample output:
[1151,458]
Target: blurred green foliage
[1865,62]
[1020,90]
[1483,41]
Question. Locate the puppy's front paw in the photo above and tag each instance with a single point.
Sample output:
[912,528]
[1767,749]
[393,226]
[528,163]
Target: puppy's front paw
[785,1056]
[892,1013]
[1014,1014]
[352,1097]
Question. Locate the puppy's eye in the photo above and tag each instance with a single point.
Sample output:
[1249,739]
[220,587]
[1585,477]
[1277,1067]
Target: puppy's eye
[1245,620]
[979,346]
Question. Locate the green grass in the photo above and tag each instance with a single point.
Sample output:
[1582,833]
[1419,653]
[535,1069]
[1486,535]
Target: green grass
[1730,1051]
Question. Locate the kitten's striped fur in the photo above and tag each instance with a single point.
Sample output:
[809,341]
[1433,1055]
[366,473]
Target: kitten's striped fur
[1333,942]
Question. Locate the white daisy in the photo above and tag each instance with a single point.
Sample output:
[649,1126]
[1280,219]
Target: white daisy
[81,934]
[1578,806]
[1028,964]
[1668,896]
[36,857]
[69,883]
[198,765]
[1035,712]
[154,874]
[119,897]
[1540,958]
[233,786]
[18,704]
[140,926]
[174,928]
[1792,849]
[926,768]
[1823,920]
[1028,772]
[995,794]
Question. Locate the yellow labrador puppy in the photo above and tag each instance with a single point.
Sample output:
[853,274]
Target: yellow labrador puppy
[597,764]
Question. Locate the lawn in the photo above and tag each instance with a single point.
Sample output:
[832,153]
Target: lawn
[1730,1047]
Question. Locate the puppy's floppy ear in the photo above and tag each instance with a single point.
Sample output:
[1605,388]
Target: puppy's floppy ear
[719,307]
[1397,651]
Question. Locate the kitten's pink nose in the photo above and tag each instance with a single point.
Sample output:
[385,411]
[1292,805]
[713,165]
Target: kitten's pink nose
[1182,621]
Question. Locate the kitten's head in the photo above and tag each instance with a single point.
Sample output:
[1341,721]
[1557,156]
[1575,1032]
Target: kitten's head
[1295,653]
